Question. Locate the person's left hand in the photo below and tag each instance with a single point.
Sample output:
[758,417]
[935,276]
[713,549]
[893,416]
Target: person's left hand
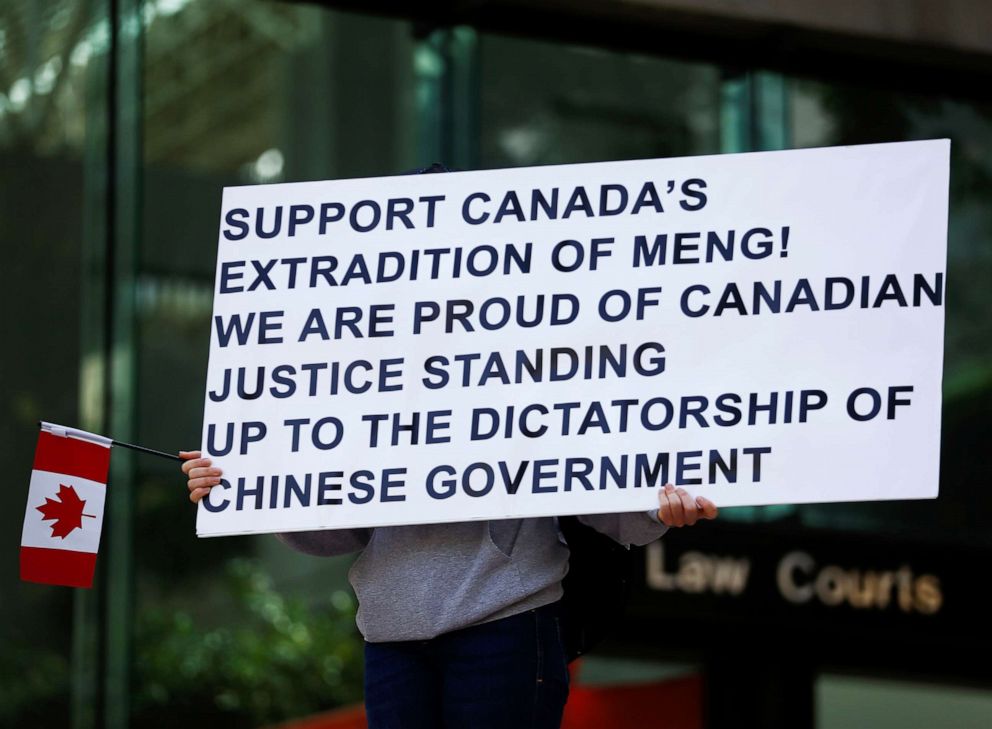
[678,508]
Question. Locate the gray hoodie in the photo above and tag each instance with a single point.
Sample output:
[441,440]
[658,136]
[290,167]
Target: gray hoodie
[416,582]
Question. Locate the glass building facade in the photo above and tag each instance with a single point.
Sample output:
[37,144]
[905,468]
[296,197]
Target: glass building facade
[120,123]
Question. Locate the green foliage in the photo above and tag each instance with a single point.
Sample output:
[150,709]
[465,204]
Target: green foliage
[265,659]
[35,690]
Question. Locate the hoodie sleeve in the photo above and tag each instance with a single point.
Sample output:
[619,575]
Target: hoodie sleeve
[327,542]
[639,527]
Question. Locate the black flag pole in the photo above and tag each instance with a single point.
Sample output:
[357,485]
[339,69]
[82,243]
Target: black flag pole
[141,449]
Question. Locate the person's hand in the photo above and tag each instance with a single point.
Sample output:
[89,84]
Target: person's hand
[201,476]
[678,508]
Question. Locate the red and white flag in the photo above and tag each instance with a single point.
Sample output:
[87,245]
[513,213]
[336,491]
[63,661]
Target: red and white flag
[64,512]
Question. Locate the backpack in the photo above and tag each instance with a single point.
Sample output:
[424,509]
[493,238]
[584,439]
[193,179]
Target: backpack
[597,586]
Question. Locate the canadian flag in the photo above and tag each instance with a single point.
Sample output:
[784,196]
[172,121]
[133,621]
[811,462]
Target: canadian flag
[64,512]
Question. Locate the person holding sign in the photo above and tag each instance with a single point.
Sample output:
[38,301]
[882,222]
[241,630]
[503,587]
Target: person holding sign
[767,327]
[462,620]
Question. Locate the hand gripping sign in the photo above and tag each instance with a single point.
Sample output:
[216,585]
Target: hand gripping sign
[757,328]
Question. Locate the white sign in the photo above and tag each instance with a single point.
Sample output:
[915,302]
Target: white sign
[758,328]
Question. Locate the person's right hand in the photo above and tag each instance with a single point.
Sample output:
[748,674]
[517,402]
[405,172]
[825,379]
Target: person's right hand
[201,476]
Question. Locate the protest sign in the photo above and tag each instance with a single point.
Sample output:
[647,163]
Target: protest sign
[759,328]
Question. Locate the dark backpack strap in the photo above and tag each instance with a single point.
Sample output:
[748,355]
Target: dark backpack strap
[596,587]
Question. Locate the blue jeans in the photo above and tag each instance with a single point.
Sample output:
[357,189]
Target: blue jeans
[505,674]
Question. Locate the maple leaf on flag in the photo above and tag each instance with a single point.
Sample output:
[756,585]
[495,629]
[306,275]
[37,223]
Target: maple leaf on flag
[66,509]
